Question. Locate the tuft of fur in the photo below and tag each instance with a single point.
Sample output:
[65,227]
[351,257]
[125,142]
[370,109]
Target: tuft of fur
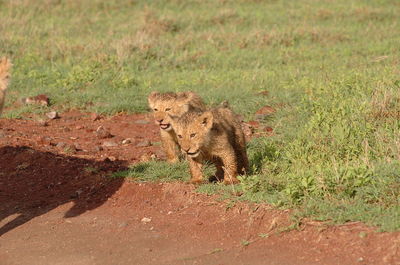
[215,135]
[167,105]
[5,68]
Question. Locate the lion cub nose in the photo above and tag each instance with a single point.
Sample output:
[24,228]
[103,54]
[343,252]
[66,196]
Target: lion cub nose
[160,120]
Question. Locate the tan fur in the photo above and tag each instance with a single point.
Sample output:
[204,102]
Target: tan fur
[215,135]
[165,105]
[5,67]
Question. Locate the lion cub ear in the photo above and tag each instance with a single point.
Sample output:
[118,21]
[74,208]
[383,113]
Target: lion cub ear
[185,97]
[206,119]
[152,96]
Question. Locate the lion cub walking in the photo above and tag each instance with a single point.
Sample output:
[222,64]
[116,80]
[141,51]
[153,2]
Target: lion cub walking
[5,66]
[167,105]
[215,135]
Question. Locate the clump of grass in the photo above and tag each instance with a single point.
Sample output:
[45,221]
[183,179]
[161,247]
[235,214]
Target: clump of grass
[339,165]
[156,171]
[161,171]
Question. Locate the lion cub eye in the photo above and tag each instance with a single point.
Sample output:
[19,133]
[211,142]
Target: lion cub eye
[155,109]
[192,135]
[167,109]
[180,136]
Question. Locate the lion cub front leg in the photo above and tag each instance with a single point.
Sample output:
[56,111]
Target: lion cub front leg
[230,165]
[170,146]
[219,173]
[195,171]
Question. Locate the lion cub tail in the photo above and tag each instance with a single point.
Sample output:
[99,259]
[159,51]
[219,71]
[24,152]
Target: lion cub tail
[5,68]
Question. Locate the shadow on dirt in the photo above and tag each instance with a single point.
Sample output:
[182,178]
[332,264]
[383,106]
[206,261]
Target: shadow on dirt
[33,183]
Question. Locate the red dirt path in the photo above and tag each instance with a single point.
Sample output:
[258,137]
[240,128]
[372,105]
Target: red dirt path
[57,207]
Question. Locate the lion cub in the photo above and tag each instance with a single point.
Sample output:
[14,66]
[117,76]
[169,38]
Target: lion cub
[166,105]
[215,135]
[5,66]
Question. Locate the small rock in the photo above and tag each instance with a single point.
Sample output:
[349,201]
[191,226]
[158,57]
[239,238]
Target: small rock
[254,124]
[268,130]
[77,146]
[52,115]
[41,99]
[264,112]
[263,93]
[66,129]
[79,127]
[273,225]
[112,158]
[141,122]
[45,139]
[144,143]
[95,117]
[98,148]
[76,194]
[61,145]
[70,148]
[147,157]
[146,220]
[103,133]
[362,234]
[109,144]
[73,138]
[126,141]
[124,224]
[42,122]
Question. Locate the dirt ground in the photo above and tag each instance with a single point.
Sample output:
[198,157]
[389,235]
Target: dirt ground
[57,207]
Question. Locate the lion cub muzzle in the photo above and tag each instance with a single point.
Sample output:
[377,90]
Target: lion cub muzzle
[160,121]
[164,126]
[193,154]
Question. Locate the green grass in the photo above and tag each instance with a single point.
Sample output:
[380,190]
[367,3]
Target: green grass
[156,171]
[331,67]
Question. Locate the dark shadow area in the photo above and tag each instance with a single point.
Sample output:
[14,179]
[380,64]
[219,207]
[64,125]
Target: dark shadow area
[33,183]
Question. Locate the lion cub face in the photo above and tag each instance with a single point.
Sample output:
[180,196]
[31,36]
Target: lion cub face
[193,131]
[167,105]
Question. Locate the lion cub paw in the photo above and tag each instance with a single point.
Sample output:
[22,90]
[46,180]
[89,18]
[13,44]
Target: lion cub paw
[196,181]
[231,181]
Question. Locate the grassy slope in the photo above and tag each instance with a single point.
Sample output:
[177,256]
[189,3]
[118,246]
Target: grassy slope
[331,66]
